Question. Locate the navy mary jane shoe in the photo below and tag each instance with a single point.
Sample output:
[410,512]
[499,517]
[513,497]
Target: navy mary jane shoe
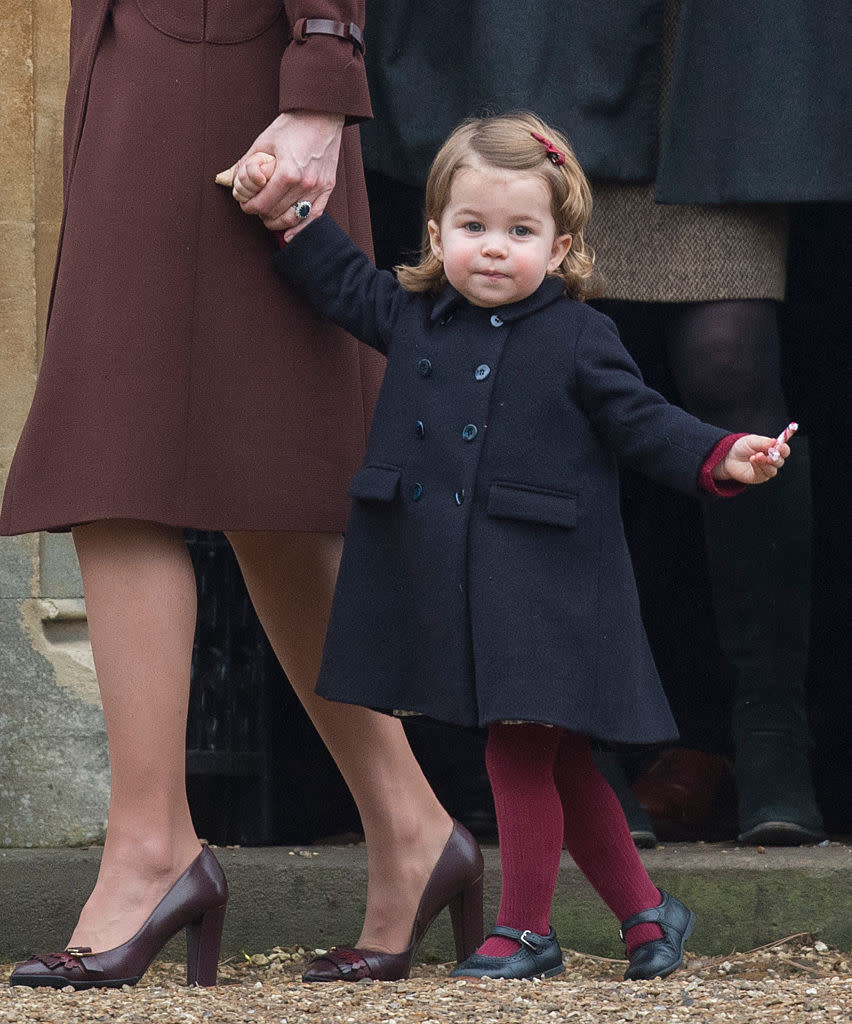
[539,957]
[659,957]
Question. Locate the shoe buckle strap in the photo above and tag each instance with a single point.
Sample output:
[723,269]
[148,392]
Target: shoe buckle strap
[653,915]
[87,959]
[80,958]
[527,938]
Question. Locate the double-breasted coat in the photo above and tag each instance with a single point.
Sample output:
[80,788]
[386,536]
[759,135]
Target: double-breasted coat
[160,396]
[485,573]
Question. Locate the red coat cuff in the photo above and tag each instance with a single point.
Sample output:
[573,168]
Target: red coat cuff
[719,488]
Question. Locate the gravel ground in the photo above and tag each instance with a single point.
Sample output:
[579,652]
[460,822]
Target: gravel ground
[795,979]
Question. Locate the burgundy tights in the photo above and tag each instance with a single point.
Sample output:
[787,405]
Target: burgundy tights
[547,792]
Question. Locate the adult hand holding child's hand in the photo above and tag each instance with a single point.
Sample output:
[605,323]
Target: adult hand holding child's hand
[293,160]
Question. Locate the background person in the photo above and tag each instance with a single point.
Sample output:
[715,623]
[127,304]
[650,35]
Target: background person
[637,88]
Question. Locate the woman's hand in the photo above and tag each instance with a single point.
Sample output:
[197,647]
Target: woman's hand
[301,148]
[749,460]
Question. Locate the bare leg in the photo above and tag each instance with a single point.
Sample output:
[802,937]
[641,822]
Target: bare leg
[290,578]
[141,604]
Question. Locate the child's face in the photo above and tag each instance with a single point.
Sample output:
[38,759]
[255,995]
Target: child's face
[497,237]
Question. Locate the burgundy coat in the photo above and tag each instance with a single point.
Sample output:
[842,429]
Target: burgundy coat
[180,383]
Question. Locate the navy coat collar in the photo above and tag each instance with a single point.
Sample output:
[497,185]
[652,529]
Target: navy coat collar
[548,291]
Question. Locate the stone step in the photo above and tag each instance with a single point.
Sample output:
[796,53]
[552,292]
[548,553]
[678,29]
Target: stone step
[314,897]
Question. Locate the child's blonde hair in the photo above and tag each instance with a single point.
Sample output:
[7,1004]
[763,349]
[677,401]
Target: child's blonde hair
[506,141]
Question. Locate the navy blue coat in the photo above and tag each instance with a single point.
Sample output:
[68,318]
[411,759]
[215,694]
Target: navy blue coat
[485,574]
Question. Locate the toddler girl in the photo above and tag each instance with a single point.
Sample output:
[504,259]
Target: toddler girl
[485,578]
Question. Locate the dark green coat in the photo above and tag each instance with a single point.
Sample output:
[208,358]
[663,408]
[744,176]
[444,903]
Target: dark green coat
[760,98]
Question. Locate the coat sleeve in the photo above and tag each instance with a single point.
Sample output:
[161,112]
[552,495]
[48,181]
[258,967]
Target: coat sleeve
[321,71]
[324,265]
[645,431]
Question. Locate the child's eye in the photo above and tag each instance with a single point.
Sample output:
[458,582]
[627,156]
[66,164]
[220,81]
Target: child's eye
[521,231]
[474,225]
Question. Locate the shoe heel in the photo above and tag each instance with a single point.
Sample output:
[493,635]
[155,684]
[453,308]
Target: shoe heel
[466,916]
[203,939]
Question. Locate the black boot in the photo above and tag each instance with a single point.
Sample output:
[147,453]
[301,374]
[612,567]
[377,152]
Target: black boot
[611,766]
[759,555]
[777,806]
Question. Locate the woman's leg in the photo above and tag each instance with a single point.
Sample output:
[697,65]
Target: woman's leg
[519,759]
[140,600]
[725,359]
[290,578]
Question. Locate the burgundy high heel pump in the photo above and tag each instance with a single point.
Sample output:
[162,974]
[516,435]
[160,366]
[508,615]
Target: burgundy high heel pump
[196,902]
[455,882]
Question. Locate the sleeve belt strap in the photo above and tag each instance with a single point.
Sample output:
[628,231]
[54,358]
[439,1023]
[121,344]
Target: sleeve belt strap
[305,27]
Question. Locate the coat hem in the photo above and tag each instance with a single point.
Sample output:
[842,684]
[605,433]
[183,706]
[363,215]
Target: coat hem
[483,722]
[279,524]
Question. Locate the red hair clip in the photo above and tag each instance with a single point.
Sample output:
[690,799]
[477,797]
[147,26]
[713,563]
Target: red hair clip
[556,155]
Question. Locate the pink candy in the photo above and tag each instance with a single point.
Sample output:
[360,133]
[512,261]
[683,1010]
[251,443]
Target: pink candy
[782,438]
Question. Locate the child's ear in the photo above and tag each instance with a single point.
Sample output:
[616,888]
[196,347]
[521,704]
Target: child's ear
[561,247]
[435,240]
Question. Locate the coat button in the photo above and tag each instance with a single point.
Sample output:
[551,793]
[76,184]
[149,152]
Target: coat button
[482,371]
[416,492]
[420,429]
[496,321]
[460,497]
[424,367]
[469,432]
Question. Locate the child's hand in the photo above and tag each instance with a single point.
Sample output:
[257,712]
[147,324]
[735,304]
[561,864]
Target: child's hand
[750,460]
[248,176]
[292,188]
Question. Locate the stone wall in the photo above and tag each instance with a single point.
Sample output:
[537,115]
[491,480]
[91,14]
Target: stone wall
[54,774]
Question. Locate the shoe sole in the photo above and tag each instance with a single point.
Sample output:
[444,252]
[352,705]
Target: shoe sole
[779,833]
[643,839]
[551,972]
[54,982]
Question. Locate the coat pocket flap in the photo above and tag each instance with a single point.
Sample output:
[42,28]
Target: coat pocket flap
[375,483]
[532,504]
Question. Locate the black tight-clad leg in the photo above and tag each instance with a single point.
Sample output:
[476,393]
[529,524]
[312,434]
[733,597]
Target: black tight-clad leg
[723,358]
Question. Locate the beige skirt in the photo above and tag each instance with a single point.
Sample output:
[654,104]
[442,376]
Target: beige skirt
[647,252]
